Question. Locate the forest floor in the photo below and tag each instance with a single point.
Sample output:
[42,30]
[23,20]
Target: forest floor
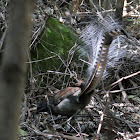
[112,114]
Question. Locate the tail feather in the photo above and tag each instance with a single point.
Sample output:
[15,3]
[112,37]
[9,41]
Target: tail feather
[98,36]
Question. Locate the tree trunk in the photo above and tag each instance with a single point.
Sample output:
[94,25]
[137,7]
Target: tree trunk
[13,67]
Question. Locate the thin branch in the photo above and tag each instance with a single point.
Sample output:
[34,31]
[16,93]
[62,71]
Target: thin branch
[126,77]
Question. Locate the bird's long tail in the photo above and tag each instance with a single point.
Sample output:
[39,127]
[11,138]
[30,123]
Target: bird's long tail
[98,36]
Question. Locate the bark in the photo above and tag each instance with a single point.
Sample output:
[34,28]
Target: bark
[13,67]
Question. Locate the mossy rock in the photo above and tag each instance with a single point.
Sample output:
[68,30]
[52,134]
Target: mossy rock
[55,40]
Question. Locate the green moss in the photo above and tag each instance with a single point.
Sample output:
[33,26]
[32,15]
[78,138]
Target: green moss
[55,40]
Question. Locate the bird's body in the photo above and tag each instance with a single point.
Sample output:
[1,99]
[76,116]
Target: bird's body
[66,105]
